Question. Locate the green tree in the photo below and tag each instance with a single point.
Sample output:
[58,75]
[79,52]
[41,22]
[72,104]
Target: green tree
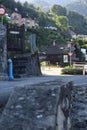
[0,1]
[9,4]
[27,5]
[5,20]
[42,19]
[78,22]
[62,22]
[58,10]
[19,6]
[80,40]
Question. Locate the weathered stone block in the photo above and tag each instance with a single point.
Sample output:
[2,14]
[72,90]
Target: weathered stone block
[45,106]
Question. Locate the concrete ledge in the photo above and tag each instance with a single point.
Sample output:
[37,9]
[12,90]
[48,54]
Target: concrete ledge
[44,106]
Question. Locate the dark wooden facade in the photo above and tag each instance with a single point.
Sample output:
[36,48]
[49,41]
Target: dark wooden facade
[60,54]
[15,38]
[55,53]
[24,64]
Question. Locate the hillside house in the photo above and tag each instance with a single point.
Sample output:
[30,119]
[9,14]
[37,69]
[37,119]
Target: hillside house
[16,18]
[20,19]
[29,22]
[60,54]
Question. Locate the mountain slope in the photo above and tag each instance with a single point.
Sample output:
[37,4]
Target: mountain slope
[79,7]
[42,3]
[60,2]
[45,4]
[76,5]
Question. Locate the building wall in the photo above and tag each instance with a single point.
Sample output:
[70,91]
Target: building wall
[3,53]
[16,18]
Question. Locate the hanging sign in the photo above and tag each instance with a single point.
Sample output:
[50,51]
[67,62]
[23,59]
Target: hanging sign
[2,10]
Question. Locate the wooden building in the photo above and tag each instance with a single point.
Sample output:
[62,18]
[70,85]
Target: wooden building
[55,54]
[60,54]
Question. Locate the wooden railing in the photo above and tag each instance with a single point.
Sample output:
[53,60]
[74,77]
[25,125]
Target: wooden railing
[79,64]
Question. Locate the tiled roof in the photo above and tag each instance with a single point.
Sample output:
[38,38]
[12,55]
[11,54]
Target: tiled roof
[56,49]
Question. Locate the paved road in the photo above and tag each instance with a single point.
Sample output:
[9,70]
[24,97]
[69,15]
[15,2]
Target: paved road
[77,79]
[6,87]
[47,75]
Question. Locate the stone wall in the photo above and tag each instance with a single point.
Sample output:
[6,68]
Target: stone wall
[3,53]
[79,108]
[44,106]
[26,65]
[23,66]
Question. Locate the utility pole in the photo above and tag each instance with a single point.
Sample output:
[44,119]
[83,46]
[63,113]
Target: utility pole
[2,20]
[70,53]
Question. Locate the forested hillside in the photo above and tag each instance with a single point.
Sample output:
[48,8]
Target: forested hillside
[53,25]
[51,2]
[80,6]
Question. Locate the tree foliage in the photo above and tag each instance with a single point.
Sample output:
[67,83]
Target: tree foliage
[9,4]
[78,22]
[79,6]
[58,10]
[62,22]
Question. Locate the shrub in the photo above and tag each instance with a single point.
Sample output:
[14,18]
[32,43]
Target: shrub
[73,71]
